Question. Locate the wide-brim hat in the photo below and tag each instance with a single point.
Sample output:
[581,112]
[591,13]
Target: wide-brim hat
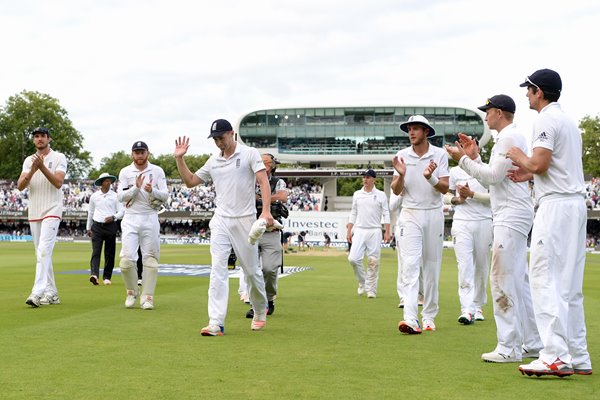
[418,119]
[103,176]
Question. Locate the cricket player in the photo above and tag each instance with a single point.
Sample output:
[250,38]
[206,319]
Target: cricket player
[559,230]
[143,188]
[43,173]
[512,212]
[421,177]
[472,237]
[369,209]
[234,170]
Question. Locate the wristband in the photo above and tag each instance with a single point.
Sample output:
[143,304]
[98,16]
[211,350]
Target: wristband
[433,180]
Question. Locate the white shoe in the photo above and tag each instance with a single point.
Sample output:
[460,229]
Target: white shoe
[466,318]
[130,299]
[212,330]
[258,322]
[147,303]
[479,315]
[107,282]
[48,298]
[539,368]
[33,300]
[371,295]
[497,357]
[361,289]
[428,325]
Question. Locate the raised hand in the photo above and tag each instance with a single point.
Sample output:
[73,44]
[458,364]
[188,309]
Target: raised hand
[469,145]
[429,169]
[139,180]
[181,146]
[148,186]
[399,165]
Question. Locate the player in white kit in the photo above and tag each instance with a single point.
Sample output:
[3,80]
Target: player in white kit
[143,189]
[369,209]
[43,173]
[558,237]
[421,177]
[472,238]
[234,170]
[512,211]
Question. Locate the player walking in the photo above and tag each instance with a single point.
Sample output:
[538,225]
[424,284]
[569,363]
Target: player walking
[234,170]
[559,231]
[472,237]
[421,177]
[369,207]
[143,189]
[43,173]
[512,211]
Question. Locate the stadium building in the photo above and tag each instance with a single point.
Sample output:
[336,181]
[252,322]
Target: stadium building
[319,140]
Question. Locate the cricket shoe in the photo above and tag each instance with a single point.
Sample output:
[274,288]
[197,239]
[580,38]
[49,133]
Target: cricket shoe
[582,371]
[271,307]
[479,315]
[410,328]
[48,298]
[497,357]
[94,280]
[466,318]
[428,325]
[258,322]
[33,300]
[371,295]
[130,299]
[539,368]
[147,303]
[361,289]
[107,282]
[213,330]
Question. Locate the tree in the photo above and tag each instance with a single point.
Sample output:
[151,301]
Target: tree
[591,145]
[112,164]
[27,111]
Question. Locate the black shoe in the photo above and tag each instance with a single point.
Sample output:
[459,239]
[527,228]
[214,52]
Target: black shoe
[94,280]
[250,313]
[271,309]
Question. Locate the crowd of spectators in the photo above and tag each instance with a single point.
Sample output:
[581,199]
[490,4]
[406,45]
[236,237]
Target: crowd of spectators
[305,195]
[593,194]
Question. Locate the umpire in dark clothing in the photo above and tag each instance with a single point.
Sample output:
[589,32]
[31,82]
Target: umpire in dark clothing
[103,213]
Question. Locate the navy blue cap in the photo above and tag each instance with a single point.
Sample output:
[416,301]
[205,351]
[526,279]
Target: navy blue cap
[500,101]
[370,173]
[546,79]
[139,145]
[40,129]
[219,127]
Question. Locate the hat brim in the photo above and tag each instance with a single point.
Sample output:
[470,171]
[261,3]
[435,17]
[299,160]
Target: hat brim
[525,84]
[404,127]
[98,181]
[217,134]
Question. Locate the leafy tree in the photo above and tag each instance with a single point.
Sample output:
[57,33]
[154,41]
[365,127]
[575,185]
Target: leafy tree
[347,186]
[591,144]
[112,164]
[23,113]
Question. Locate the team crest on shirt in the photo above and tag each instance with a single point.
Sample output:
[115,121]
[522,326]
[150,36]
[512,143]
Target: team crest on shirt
[542,137]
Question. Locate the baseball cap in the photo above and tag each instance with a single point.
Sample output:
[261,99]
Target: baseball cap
[219,127]
[501,102]
[40,129]
[370,173]
[418,119]
[139,145]
[544,79]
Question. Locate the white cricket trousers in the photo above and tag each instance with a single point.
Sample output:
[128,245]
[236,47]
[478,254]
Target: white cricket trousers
[143,231]
[421,240]
[44,237]
[366,240]
[509,281]
[556,273]
[472,243]
[226,233]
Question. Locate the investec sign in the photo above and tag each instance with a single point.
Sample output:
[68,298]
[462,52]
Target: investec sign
[315,224]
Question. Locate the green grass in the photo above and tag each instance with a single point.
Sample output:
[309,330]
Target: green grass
[323,342]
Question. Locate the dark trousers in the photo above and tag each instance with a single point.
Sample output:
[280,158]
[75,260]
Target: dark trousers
[103,234]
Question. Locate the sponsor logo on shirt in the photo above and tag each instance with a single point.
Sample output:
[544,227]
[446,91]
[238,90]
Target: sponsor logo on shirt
[542,137]
[238,163]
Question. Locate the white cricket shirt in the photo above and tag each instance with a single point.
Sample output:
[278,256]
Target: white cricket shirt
[137,200]
[45,200]
[471,209]
[369,208]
